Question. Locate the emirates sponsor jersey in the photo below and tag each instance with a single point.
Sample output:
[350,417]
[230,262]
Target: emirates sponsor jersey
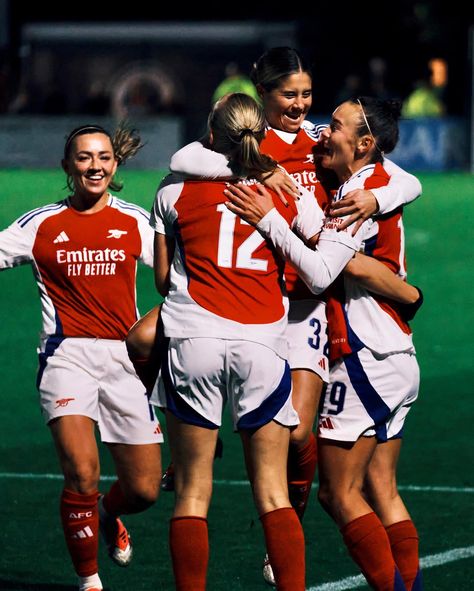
[294,152]
[356,317]
[226,281]
[84,265]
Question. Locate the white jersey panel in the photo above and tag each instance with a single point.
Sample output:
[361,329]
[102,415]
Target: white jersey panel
[374,327]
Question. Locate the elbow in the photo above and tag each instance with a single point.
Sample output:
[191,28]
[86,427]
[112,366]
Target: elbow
[354,271]
[318,285]
[162,284]
[418,189]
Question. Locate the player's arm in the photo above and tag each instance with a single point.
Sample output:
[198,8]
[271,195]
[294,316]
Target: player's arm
[309,220]
[16,243]
[318,268]
[360,204]
[196,161]
[378,278]
[162,218]
[163,255]
[147,236]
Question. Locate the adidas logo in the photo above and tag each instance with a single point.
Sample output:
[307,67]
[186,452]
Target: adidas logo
[326,423]
[322,363]
[62,237]
[86,532]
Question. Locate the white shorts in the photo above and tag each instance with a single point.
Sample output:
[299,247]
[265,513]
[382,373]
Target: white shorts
[307,335]
[367,396]
[199,375]
[95,378]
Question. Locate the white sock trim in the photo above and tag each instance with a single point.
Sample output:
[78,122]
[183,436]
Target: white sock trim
[93,581]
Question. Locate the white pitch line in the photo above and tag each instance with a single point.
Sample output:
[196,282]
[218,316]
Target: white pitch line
[407,487]
[353,582]
[426,562]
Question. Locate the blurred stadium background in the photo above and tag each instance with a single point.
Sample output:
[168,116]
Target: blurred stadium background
[61,67]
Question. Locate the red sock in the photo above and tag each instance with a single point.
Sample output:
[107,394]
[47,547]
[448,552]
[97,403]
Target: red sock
[114,501]
[80,520]
[404,543]
[369,546]
[189,545]
[302,464]
[147,370]
[284,539]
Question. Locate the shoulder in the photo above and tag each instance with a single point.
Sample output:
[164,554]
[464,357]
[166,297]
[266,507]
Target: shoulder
[39,214]
[130,209]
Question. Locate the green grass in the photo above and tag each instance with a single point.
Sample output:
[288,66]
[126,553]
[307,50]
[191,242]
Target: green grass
[438,450]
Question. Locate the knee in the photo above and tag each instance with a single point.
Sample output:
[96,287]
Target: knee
[82,478]
[332,498]
[325,497]
[301,435]
[141,337]
[141,497]
[137,344]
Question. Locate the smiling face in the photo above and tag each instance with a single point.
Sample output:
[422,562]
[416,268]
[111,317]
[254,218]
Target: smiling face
[287,105]
[344,151]
[91,164]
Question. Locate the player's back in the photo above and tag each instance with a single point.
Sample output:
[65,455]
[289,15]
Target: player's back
[231,270]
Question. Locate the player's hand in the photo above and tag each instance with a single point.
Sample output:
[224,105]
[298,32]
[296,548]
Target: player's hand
[248,204]
[281,182]
[358,204]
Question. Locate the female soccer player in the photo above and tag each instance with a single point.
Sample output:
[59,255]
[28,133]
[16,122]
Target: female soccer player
[84,251]
[374,378]
[284,84]
[226,315]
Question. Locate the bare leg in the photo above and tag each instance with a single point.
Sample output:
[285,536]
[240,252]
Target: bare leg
[303,456]
[343,467]
[382,493]
[78,455]
[192,450]
[74,438]
[266,451]
[143,347]
[381,483]
[139,472]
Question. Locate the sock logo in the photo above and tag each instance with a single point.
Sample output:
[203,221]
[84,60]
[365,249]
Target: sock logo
[80,515]
[86,532]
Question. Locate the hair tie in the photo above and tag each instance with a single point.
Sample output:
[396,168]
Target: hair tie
[244,132]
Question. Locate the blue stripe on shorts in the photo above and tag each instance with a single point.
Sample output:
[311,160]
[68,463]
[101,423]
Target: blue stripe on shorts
[52,344]
[270,406]
[373,403]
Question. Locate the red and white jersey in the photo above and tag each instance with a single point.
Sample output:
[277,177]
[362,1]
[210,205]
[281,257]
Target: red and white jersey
[225,281]
[356,317]
[294,152]
[84,265]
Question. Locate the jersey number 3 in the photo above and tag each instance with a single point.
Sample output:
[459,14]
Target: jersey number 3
[225,248]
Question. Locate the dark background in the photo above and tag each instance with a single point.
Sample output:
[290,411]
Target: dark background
[337,37]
